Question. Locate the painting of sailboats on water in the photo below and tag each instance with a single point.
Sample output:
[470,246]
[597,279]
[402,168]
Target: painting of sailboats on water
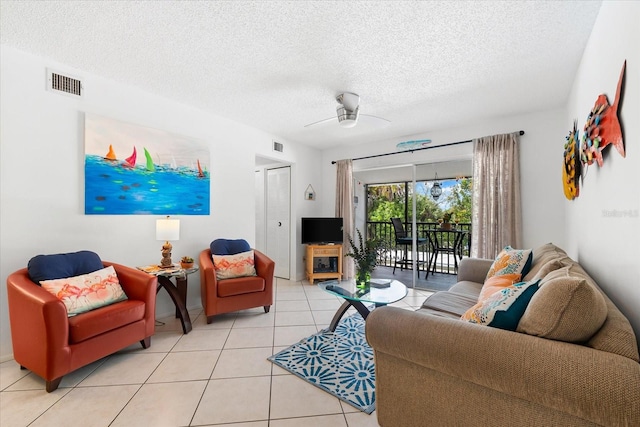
[135,170]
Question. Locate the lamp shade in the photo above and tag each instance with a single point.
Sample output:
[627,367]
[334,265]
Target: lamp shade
[168,229]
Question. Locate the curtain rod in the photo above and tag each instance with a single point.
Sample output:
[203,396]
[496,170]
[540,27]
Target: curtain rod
[333,162]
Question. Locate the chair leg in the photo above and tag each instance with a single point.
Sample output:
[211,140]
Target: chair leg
[52,385]
[267,308]
[209,319]
[146,343]
[432,261]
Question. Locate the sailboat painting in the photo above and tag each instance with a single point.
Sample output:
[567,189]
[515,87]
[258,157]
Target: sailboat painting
[136,170]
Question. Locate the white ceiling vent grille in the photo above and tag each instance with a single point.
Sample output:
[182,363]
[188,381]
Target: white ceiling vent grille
[59,82]
[278,147]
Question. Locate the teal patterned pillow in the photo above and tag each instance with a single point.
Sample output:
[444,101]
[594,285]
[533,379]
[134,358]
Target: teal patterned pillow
[511,261]
[504,308]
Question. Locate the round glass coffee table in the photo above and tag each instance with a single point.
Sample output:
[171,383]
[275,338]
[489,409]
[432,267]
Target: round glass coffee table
[380,292]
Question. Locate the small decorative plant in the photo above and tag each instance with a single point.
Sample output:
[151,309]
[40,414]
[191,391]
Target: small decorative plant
[365,255]
[186,262]
[446,217]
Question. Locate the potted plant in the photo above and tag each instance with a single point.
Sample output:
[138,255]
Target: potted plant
[186,262]
[446,220]
[365,255]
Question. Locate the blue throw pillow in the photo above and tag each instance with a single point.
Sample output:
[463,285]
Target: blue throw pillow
[229,246]
[61,266]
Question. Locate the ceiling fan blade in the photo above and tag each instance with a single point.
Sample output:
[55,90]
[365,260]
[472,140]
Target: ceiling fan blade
[321,121]
[374,120]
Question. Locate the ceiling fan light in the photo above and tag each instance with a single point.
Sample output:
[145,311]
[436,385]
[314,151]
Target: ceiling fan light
[347,118]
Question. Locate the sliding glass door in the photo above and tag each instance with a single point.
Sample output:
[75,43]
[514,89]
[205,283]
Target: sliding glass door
[405,193]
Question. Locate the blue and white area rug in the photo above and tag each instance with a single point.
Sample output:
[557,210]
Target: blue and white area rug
[340,363]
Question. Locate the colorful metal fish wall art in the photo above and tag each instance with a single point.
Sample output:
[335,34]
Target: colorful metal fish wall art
[603,128]
[571,169]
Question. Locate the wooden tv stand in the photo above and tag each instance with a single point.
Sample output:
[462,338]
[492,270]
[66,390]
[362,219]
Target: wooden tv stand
[324,262]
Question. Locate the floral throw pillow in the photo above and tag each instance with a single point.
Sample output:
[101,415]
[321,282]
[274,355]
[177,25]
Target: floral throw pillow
[232,266]
[503,309]
[496,283]
[511,261]
[88,291]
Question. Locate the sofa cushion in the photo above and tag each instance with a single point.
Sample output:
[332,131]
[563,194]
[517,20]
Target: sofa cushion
[448,302]
[467,288]
[87,291]
[542,256]
[566,308]
[511,261]
[541,271]
[58,266]
[232,266]
[93,323]
[616,334]
[240,286]
[504,308]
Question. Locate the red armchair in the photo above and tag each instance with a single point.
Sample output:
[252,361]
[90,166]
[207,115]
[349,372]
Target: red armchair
[228,295]
[51,344]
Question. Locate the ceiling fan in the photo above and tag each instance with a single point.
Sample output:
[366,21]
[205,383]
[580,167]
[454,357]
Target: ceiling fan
[348,113]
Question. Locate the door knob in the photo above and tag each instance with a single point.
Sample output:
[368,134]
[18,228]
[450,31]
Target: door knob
[279,224]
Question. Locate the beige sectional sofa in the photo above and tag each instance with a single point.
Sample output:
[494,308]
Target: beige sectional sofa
[573,360]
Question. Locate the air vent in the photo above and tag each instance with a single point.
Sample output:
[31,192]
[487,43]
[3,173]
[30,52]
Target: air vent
[60,83]
[278,147]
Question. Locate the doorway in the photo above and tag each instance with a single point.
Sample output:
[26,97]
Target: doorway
[278,219]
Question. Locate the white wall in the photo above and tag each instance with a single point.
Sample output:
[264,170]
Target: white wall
[42,173]
[603,223]
[308,171]
[540,166]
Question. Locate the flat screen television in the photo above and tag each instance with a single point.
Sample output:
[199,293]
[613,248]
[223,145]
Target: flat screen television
[321,230]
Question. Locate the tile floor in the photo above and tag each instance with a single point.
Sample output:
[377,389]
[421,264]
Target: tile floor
[217,375]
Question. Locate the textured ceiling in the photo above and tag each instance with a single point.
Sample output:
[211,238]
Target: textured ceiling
[278,66]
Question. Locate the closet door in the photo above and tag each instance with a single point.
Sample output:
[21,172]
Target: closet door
[278,219]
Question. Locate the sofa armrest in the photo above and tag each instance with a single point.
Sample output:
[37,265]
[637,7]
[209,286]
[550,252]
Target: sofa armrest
[473,269]
[208,279]
[264,266]
[39,326]
[139,286]
[590,384]
[206,267]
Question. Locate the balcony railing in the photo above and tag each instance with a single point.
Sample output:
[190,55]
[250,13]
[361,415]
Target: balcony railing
[446,239]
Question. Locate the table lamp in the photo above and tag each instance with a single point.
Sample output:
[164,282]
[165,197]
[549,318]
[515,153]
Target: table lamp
[167,229]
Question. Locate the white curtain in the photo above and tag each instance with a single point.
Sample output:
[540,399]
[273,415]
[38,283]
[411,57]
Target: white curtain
[344,209]
[496,212]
